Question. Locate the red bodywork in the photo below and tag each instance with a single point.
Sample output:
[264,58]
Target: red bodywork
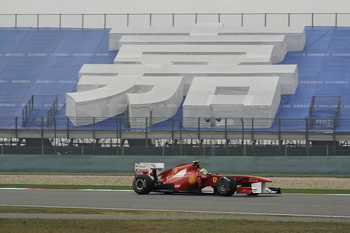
[186,177]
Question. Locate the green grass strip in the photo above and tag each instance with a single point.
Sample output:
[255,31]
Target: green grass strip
[168,226]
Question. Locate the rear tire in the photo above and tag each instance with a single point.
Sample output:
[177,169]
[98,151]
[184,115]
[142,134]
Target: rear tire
[227,186]
[143,184]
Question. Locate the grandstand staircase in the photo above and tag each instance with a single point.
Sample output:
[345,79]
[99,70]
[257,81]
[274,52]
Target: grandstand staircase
[39,110]
[324,112]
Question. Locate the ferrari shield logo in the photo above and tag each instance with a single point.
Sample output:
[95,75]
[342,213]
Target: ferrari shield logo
[215,179]
[175,171]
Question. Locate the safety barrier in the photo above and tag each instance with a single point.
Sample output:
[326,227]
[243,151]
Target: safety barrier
[173,19]
[286,137]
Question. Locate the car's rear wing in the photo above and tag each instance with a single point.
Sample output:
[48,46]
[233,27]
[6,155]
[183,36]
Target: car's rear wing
[150,169]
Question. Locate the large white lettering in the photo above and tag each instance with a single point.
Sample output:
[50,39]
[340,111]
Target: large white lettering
[221,79]
[101,97]
[232,98]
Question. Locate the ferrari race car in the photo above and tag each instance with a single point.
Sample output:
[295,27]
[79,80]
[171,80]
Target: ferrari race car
[151,177]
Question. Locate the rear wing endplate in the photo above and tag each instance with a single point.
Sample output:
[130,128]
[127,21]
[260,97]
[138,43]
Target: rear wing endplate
[149,169]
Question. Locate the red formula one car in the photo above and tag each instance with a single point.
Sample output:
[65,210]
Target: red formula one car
[151,177]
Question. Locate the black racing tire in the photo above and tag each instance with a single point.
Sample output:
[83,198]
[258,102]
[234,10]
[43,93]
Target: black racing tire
[143,184]
[227,186]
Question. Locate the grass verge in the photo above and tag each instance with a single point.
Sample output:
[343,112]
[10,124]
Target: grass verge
[166,226]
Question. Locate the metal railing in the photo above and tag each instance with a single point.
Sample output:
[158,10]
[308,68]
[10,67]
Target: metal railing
[28,108]
[228,128]
[326,105]
[48,104]
[285,137]
[173,19]
[189,123]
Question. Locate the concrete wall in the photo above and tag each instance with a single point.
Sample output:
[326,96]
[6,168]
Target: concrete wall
[225,164]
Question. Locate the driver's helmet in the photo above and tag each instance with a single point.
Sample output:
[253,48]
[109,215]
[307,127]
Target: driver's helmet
[203,171]
[195,163]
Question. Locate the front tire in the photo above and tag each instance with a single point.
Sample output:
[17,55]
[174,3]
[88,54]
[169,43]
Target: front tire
[227,186]
[143,184]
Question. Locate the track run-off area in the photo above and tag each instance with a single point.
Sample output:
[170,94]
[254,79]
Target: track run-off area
[295,207]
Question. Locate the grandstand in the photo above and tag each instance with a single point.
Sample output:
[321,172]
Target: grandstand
[39,66]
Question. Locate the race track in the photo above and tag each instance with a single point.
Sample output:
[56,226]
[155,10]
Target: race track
[301,206]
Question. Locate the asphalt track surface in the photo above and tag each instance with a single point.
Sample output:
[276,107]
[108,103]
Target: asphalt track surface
[303,207]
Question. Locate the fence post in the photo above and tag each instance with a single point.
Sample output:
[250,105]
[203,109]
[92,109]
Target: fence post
[93,128]
[242,20]
[55,134]
[307,136]
[150,20]
[67,127]
[37,21]
[42,135]
[312,19]
[243,145]
[105,21]
[82,21]
[334,137]
[181,152]
[120,129]
[212,138]
[16,21]
[172,131]
[199,128]
[116,134]
[225,130]
[120,135]
[252,135]
[146,134]
[16,127]
[219,18]
[265,19]
[279,134]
